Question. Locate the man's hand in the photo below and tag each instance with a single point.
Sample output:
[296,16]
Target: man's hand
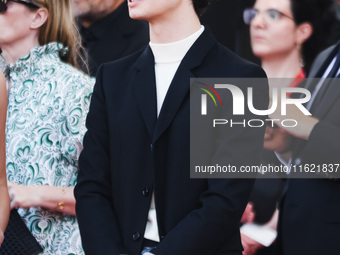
[305,124]
[250,246]
[249,214]
[277,139]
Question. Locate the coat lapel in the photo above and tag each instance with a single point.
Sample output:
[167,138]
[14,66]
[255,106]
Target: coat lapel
[320,67]
[333,91]
[180,84]
[332,94]
[144,87]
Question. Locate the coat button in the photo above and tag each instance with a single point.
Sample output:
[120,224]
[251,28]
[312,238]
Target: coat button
[162,237]
[151,146]
[136,236]
[145,191]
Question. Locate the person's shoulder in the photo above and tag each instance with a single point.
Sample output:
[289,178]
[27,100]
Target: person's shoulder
[231,64]
[73,75]
[120,66]
[325,53]
[328,50]
[320,59]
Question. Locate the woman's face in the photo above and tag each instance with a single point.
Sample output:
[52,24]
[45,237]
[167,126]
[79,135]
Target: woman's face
[15,24]
[272,35]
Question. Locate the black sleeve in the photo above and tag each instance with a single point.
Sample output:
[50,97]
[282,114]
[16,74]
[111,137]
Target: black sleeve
[96,216]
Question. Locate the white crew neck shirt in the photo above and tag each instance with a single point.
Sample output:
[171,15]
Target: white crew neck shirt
[168,57]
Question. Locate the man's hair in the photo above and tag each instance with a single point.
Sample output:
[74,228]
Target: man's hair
[200,6]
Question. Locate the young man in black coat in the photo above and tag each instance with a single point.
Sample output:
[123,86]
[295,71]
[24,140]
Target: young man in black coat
[134,192]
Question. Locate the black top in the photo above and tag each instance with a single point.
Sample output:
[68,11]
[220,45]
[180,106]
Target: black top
[113,37]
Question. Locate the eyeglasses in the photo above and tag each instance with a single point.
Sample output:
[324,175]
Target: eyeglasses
[3,5]
[270,15]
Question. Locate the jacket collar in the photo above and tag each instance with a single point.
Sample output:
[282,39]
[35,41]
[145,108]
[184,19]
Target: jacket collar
[144,85]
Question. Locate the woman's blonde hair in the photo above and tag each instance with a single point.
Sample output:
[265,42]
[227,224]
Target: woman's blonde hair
[60,26]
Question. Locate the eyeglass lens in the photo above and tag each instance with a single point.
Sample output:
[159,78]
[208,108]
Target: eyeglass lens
[269,15]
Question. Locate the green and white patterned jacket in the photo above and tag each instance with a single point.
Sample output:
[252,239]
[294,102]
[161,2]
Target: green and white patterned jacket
[47,107]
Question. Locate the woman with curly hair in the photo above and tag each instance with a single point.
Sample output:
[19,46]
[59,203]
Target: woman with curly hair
[134,192]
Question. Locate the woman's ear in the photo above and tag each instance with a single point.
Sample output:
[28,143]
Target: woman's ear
[39,18]
[303,32]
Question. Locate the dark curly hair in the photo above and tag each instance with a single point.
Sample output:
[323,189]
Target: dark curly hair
[320,15]
[200,6]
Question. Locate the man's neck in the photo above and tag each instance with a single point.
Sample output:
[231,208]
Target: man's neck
[172,29]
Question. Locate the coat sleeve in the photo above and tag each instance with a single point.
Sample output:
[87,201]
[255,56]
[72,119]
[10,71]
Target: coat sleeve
[323,149]
[96,215]
[323,145]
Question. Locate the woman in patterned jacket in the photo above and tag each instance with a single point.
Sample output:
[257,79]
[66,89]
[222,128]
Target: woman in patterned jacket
[4,198]
[48,100]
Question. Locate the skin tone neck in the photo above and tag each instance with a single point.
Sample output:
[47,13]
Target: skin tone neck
[282,66]
[174,26]
[21,48]
[89,20]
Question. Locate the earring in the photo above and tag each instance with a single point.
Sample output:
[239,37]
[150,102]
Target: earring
[299,48]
